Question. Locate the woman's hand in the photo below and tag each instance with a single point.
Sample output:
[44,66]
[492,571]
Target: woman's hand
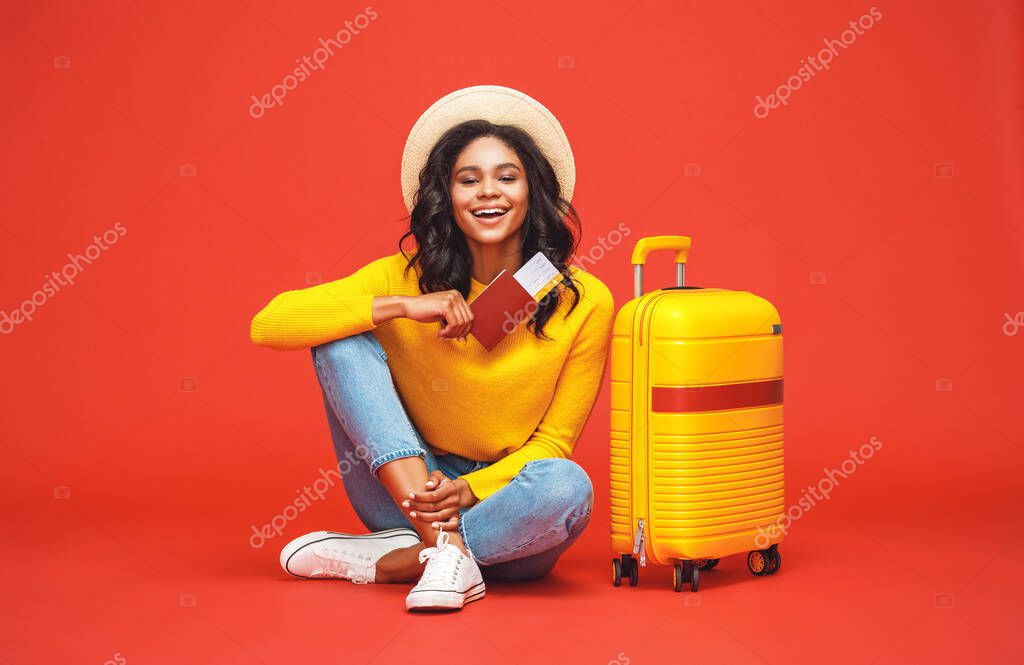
[446,306]
[439,503]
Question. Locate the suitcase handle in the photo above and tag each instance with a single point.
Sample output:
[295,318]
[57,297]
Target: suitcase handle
[644,246]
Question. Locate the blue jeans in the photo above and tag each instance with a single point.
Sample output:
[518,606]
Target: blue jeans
[515,534]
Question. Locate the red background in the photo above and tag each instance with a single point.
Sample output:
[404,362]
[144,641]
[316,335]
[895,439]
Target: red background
[916,557]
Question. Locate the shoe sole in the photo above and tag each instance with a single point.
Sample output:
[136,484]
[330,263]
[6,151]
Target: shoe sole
[295,546]
[473,594]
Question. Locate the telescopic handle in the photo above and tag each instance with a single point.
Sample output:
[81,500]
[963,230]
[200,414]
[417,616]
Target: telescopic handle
[679,244]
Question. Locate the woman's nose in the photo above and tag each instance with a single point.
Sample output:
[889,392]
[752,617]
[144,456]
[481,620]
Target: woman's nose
[488,187]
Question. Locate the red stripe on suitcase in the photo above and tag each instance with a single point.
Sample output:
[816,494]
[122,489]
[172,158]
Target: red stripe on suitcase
[688,399]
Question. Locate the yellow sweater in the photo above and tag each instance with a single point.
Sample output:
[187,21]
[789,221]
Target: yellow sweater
[527,399]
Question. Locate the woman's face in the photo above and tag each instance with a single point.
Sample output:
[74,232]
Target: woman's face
[489,191]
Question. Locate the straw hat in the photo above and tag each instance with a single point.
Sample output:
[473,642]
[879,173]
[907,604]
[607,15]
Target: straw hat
[500,105]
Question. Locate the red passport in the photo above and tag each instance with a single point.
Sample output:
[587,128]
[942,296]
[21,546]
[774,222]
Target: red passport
[499,309]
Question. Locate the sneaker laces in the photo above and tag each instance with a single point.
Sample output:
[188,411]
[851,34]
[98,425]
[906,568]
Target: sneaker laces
[337,562]
[442,562]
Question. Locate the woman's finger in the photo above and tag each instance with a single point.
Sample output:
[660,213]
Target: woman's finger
[467,315]
[420,506]
[435,479]
[451,524]
[433,516]
[446,316]
[443,491]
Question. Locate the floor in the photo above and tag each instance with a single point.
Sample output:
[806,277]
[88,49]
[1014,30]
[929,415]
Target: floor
[92,575]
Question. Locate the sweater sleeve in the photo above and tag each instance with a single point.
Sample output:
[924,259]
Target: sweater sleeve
[307,317]
[575,393]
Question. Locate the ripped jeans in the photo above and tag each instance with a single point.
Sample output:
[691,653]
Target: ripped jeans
[515,534]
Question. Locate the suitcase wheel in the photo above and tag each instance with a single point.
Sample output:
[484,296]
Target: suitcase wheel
[686,571]
[706,564]
[625,566]
[757,562]
[764,562]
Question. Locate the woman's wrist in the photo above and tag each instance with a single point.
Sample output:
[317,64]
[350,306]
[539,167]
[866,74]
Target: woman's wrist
[386,308]
[466,496]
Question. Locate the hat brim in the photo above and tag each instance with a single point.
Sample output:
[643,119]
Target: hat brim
[496,104]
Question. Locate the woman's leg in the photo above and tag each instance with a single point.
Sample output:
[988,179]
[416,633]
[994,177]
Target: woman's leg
[376,443]
[368,424]
[520,531]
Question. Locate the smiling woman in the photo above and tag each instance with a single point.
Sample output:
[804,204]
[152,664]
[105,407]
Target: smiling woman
[457,475]
[497,168]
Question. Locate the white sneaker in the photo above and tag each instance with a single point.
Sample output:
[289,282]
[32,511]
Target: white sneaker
[332,555]
[450,580]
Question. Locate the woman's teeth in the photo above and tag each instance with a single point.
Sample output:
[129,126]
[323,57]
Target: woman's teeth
[490,213]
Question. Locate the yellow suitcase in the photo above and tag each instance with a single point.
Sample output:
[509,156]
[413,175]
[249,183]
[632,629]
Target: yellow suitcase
[696,427]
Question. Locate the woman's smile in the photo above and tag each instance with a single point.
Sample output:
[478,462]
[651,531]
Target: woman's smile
[491,214]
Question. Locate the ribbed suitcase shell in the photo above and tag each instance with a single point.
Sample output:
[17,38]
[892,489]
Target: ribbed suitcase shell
[703,479]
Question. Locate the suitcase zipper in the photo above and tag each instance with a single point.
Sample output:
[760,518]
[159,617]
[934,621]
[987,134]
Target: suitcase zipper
[638,542]
[639,547]
[643,315]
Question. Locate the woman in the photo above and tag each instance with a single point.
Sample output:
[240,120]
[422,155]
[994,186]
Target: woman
[457,457]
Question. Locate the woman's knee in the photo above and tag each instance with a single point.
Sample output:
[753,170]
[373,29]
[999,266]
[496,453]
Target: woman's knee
[354,349]
[563,490]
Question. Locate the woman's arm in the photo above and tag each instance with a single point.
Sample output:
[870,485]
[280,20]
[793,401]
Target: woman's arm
[353,305]
[307,317]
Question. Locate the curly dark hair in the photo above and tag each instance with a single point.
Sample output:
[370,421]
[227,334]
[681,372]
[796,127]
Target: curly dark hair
[551,225]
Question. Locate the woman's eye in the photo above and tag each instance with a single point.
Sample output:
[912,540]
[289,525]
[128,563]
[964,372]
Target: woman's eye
[471,181]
